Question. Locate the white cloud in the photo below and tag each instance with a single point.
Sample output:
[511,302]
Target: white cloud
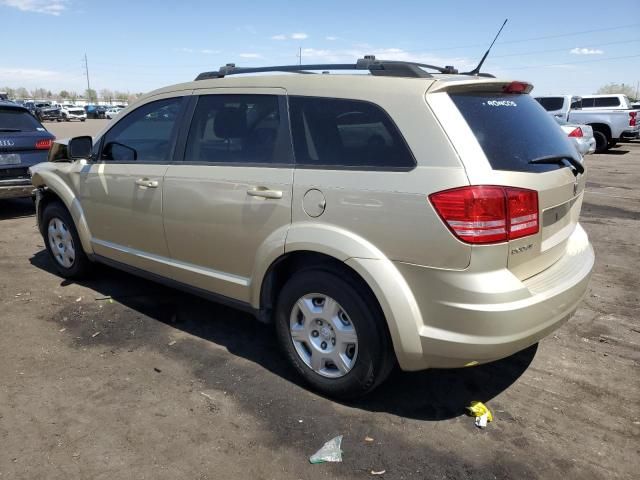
[293,36]
[205,51]
[49,7]
[331,38]
[247,29]
[250,55]
[350,55]
[17,74]
[586,51]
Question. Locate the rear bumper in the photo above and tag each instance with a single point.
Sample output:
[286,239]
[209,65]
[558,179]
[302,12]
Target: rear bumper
[630,134]
[467,318]
[16,188]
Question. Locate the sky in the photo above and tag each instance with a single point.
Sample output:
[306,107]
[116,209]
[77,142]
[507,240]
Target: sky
[137,46]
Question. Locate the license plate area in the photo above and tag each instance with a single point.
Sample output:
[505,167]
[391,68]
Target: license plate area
[9,159]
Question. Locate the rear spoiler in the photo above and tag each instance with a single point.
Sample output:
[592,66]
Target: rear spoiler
[481,85]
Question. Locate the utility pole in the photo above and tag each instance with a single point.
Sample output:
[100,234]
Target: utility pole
[86,72]
[299,55]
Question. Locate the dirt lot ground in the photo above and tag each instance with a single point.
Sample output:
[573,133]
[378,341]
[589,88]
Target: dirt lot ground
[157,384]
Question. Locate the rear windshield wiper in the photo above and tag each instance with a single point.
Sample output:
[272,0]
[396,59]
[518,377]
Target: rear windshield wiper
[10,130]
[559,160]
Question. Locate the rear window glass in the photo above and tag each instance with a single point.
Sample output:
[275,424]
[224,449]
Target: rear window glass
[551,104]
[512,130]
[607,102]
[16,119]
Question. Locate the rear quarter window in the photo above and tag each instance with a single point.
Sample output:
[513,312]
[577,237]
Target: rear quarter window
[512,130]
[607,102]
[346,134]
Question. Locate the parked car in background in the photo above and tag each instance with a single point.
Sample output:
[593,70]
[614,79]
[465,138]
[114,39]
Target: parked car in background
[610,101]
[112,112]
[581,136]
[23,143]
[46,111]
[71,112]
[371,229]
[609,125]
[95,111]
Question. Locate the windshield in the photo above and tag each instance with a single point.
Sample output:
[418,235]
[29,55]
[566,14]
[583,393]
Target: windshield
[17,119]
[512,130]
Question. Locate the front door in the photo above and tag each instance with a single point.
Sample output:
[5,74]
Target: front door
[231,194]
[121,192]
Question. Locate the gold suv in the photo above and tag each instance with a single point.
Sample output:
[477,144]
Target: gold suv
[411,216]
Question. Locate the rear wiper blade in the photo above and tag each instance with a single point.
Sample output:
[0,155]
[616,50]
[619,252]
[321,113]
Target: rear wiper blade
[559,159]
[10,130]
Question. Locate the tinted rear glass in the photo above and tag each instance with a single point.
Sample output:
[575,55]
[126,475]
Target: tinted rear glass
[512,130]
[551,104]
[607,102]
[18,119]
[349,134]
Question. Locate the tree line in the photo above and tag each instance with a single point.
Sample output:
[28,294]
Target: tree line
[89,95]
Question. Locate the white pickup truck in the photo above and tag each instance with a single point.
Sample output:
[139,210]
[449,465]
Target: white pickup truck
[610,123]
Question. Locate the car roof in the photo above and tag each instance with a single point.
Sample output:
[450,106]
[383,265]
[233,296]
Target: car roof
[8,103]
[329,85]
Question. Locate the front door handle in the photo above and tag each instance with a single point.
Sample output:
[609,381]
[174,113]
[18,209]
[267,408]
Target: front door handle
[145,182]
[264,193]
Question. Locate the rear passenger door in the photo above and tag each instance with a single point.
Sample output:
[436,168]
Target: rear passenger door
[231,193]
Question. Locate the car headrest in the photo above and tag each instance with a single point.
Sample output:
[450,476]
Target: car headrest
[230,122]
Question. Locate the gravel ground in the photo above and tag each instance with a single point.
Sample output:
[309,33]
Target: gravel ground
[153,383]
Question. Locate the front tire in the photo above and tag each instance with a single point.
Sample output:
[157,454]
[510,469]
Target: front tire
[333,333]
[63,243]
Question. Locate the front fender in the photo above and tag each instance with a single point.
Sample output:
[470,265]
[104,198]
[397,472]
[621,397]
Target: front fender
[45,175]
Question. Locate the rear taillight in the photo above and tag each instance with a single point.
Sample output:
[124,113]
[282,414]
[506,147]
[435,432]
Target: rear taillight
[44,144]
[487,213]
[576,132]
[632,119]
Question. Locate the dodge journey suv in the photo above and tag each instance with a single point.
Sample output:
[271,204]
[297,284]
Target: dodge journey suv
[410,215]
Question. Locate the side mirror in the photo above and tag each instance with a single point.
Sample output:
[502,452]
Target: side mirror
[80,147]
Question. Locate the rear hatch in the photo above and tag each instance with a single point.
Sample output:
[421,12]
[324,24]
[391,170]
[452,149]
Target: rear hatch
[507,139]
[23,141]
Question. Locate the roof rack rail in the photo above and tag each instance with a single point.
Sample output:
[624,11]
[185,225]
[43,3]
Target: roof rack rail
[390,68]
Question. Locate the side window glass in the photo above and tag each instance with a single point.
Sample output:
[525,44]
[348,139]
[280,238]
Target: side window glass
[607,102]
[144,135]
[331,132]
[587,102]
[235,129]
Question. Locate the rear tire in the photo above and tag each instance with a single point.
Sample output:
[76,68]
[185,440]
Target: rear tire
[63,243]
[602,141]
[322,317]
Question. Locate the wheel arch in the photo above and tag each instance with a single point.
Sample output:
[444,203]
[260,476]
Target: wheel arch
[381,280]
[601,127]
[52,189]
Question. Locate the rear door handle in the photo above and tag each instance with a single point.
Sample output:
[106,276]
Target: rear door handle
[145,182]
[264,193]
